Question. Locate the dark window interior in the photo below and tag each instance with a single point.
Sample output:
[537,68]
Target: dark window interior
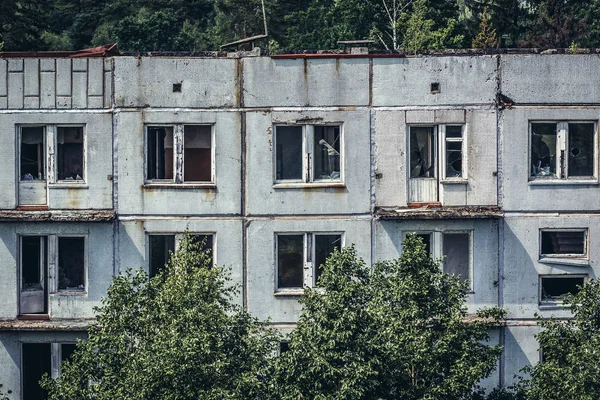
[563,242]
[426,238]
[543,149]
[326,152]
[324,246]
[160,153]
[288,154]
[422,152]
[456,250]
[207,245]
[67,350]
[31,262]
[290,261]
[581,149]
[556,289]
[33,154]
[71,263]
[283,347]
[161,247]
[69,163]
[197,155]
[36,362]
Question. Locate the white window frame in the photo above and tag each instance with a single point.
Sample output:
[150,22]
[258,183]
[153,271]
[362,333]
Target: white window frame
[559,303]
[308,171]
[50,145]
[562,138]
[309,253]
[54,255]
[437,247]
[570,259]
[178,236]
[178,157]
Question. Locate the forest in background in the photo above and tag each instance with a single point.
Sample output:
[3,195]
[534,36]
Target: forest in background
[204,25]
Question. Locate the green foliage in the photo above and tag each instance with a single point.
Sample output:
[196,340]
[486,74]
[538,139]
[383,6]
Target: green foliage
[56,42]
[398,331]
[420,33]
[486,38]
[570,369]
[175,336]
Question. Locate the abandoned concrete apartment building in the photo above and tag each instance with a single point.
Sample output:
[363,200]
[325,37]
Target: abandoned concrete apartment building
[277,160]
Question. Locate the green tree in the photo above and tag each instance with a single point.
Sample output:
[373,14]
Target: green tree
[486,38]
[570,368]
[396,332]
[175,336]
[420,32]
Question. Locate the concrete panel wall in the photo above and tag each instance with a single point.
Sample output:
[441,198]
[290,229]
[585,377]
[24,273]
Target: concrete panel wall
[407,81]
[523,266]
[205,82]
[60,305]
[136,198]
[263,197]
[305,82]
[541,79]
[48,83]
[227,242]
[520,350]
[521,194]
[262,300]
[484,236]
[97,191]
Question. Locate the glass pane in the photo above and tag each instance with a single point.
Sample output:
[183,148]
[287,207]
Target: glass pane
[456,250]
[422,152]
[543,149]
[161,247]
[71,263]
[160,152]
[565,242]
[69,163]
[326,155]
[556,289]
[453,131]
[454,159]
[288,153]
[581,149]
[290,261]
[197,154]
[33,154]
[31,262]
[324,246]
[426,238]
[206,242]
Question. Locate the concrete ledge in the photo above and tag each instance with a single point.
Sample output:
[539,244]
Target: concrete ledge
[57,216]
[439,212]
[69,325]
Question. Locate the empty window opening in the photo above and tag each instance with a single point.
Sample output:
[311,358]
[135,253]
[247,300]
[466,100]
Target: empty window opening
[197,155]
[564,243]
[36,360]
[308,153]
[33,153]
[422,152]
[426,239]
[290,261]
[206,245]
[454,151]
[34,277]
[324,246]
[456,251]
[69,163]
[283,346]
[554,289]
[563,150]
[160,249]
[160,152]
[71,263]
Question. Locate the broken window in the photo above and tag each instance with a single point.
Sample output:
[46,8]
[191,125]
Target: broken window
[39,359]
[300,257]
[554,288]
[422,152]
[69,148]
[564,243]
[160,249]
[457,252]
[33,153]
[71,263]
[309,153]
[563,150]
[454,151]
[179,154]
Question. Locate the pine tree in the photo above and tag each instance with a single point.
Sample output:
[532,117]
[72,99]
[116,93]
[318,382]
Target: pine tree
[486,38]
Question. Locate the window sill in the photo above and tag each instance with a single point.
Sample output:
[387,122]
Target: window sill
[70,293]
[288,292]
[578,262]
[179,186]
[547,306]
[454,181]
[558,182]
[69,185]
[314,185]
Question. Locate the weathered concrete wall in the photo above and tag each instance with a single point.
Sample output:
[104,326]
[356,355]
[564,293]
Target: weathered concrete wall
[390,144]
[520,349]
[99,271]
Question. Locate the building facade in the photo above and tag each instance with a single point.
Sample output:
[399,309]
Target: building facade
[273,162]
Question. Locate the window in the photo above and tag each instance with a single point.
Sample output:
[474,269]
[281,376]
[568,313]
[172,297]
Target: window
[308,154]
[453,166]
[71,264]
[284,346]
[179,154]
[554,288]
[455,248]
[39,359]
[33,154]
[69,149]
[571,243]
[300,258]
[161,246]
[563,150]
[423,151]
